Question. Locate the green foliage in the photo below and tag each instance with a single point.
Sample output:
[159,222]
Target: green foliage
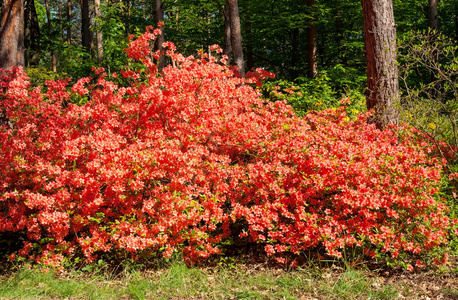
[39,75]
[428,66]
[306,94]
[114,37]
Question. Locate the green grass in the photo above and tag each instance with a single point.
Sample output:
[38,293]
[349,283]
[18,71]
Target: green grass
[177,281]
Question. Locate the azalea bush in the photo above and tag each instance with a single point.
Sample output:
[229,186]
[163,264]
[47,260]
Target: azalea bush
[187,160]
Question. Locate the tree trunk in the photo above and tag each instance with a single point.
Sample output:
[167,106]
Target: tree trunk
[85,26]
[69,21]
[432,15]
[158,14]
[227,33]
[433,33]
[98,32]
[51,39]
[31,34]
[236,35]
[61,21]
[311,43]
[382,75]
[12,34]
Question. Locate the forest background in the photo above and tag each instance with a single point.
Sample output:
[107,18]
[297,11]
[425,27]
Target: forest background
[317,43]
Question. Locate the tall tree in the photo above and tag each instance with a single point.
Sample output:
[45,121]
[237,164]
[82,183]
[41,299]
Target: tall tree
[432,15]
[61,20]
[227,32]
[311,42]
[53,54]
[158,15]
[12,34]
[69,21]
[98,31]
[236,35]
[382,75]
[31,33]
[85,26]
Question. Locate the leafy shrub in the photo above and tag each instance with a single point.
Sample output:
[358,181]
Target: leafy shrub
[429,84]
[306,94]
[185,160]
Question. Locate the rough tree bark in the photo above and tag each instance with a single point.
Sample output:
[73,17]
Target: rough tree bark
[12,34]
[236,35]
[311,43]
[158,14]
[382,75]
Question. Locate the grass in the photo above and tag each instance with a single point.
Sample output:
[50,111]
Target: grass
[226,278]
[177,281]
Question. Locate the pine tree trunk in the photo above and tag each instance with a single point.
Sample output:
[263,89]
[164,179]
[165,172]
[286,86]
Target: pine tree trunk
[311,43]
[432,15]
[59,10]
[159,18]
[382,75]
[31,34]
[53,54]
[85,26]
[236,35]
[12,34]
[98,32]
[69,21]
[227,33]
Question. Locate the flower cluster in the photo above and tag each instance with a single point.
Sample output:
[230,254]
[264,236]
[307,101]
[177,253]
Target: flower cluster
[176,161]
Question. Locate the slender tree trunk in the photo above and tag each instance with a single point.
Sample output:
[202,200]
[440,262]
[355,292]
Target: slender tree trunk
[12,34]
[432,15]
[311,43]
[98,32]
[69,21]
[59,11]
[382,75]
[51,39]
[85,26]
[144,9]
[158,14]
[31,34]
[434,31]
[236,35]
[227,33]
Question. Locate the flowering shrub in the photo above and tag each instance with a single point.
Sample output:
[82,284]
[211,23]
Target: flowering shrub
[173,161]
